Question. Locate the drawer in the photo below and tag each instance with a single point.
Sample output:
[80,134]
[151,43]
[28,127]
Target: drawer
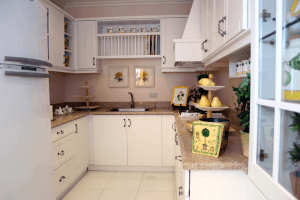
[64,176]
[62,131]
[63,150]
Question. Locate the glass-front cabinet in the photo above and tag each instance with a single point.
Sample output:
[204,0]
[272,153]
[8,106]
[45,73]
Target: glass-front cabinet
[274,160]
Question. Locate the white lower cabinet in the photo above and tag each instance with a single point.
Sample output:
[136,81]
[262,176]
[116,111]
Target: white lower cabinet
[70,154]
[133,140]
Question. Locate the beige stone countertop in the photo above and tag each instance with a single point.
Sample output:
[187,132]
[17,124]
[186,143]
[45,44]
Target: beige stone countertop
[231,159]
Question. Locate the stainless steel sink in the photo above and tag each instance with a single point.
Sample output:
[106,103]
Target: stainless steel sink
[129,110]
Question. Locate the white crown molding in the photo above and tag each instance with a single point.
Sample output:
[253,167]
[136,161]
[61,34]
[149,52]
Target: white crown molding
[123,3]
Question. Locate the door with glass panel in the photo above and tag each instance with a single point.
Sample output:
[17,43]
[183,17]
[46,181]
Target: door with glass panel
[274,160]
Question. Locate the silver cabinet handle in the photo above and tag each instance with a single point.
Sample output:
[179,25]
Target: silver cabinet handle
[93,60]
[76,128]
[180,193]
[62,178]
[124,122]
[61,132]
[61,153]
[176,141]
[203,48]
[165,60]
[130,123]
[221,32]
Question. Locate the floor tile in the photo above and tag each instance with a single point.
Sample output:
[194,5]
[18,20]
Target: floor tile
[83,194]
[125,181]
[93,182]
[154,195]
[101,174]
[118,195]
[157,182]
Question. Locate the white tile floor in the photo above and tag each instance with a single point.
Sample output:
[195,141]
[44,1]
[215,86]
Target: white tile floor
[123,186]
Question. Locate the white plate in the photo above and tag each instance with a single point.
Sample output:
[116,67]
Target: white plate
[210,108]
[213,88]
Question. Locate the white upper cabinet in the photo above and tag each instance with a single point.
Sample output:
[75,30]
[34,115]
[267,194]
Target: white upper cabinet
[171,28]
[87,45]
[236,17]
[219,23]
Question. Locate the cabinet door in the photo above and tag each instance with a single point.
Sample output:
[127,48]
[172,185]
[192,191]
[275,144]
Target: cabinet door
[144,140]
[204,26]
[81,151]
[172,28]
[168,135]
[236,17]
[219,23]
[209,45]
[110,140]
[87,44]
[57,36]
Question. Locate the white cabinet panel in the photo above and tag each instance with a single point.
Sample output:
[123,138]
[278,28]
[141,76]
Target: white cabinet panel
[219,8]
[81,148]
[110,140]
[56,37]
[87,45]
[236,17]
[172,28]
[144,140]
[211,29]
[168,135]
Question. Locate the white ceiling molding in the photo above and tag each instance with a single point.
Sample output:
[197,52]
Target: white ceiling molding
[125,3]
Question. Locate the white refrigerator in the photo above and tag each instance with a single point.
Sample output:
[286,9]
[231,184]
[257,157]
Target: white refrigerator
[26,163]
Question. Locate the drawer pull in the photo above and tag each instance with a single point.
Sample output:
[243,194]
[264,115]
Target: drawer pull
[61,132]
[58,132]
[180,193]
[176,158]
[130,122]
[61,153]
[61,178]
[124,122]
[76,128]
[176,141]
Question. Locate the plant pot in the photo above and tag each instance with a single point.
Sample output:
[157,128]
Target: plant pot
[295,183]
[245,143]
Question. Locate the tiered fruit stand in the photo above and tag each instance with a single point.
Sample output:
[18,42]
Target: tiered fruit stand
[87,97]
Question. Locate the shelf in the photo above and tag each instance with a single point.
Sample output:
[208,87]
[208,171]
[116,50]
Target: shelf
[239,76]
[128,34]
[213,88]
[124,57]
[68,51]
[210,108]
[68,35]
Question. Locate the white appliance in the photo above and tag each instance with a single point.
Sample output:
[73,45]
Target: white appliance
[26,163]
[188,49]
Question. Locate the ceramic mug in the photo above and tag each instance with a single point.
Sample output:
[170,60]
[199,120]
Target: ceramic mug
[59,111]
[245,66]
[133,30]
[109,30]
[70,109]
[143,29]
[238,68]
[153,29]
[121,30]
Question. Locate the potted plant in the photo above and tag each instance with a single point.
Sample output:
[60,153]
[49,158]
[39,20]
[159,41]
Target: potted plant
[243,107]
[295,156]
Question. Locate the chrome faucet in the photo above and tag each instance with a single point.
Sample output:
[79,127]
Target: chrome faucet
[132,102]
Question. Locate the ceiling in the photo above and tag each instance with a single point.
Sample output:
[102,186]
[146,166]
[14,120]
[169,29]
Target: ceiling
[85,3]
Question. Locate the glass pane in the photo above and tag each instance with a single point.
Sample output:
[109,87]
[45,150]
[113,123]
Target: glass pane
[267,45]
[265,138]
[291,51]
[288,138]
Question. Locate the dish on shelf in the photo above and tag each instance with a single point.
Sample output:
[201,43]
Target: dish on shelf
[213,88]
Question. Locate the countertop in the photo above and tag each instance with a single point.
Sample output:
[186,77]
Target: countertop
[231,159]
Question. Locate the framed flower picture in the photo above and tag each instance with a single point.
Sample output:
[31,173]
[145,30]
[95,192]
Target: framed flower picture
[118,77]
[144,76]
[180,94]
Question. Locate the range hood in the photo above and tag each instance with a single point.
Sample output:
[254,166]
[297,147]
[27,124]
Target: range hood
[188,49]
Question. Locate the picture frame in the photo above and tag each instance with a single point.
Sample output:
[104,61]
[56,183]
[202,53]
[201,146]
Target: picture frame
[118,77]
[144,77]
[180,95]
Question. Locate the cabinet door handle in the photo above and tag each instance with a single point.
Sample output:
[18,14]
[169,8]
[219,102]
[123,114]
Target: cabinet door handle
[124,122]
[62,178]
[61,132]
[129,122]
[180,193]
[61,153]
[165,60]
[58,132]
[76,128]
[94,61]
[221,32]
[205,50]
[176,142]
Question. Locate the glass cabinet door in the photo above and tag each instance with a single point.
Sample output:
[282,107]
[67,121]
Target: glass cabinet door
[274,156]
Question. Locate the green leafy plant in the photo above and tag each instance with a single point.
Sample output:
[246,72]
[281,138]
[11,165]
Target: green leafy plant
[243,102]
[295,127]
[197,93]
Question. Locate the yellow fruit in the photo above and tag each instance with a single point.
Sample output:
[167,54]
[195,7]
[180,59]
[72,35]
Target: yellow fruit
[200,81]
[206,82]
[204,102]
[216,102]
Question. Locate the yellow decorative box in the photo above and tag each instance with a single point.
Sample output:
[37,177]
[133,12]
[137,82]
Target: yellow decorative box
[207,137]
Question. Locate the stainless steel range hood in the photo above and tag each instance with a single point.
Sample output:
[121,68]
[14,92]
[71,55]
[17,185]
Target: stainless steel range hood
[188,49]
